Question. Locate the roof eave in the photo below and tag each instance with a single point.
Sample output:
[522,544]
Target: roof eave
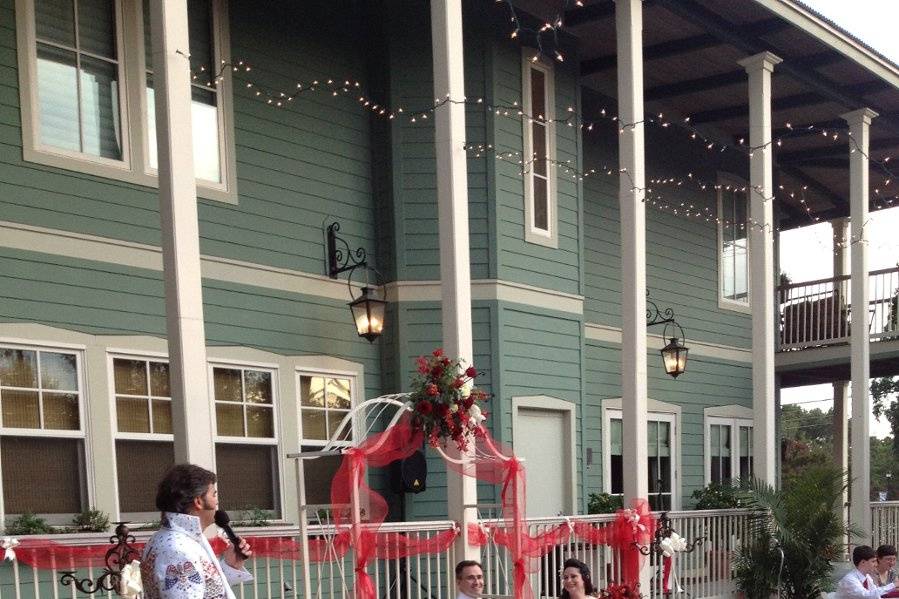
[806,20]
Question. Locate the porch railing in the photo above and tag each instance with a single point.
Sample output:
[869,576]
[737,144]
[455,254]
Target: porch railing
[706,572]
[884,523]
[819,313]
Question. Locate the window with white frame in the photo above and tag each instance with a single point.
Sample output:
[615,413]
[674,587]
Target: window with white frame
[733,242]
[728,449]
[42,431]
[86,84]
[325,400]
[246,449]
[660,456]
[144,442]
[540,205]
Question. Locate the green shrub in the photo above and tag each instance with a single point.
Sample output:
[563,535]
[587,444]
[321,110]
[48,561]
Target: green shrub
[254,516]
[717,496]
[603,503]
[91,520]
[28,524]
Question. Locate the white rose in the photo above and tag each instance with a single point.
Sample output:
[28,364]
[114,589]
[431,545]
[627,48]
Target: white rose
[475,417]
[454,408]
[130,583]
[465,390]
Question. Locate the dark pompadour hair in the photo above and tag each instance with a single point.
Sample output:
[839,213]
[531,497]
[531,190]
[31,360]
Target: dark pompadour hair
[885,551]
[861,553]
[180,486]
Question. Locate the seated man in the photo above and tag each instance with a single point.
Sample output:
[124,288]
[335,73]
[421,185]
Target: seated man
[178,562]
[469,579]
[858,584]
[884,574]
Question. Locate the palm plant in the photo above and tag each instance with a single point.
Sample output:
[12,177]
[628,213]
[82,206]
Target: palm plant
[803,521]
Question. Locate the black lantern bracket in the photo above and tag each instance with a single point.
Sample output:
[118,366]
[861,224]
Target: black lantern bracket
[674,354]
[367,308]
[119,555]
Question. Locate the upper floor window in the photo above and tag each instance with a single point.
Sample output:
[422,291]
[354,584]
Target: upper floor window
[86,86]
[538,131]
[728,449]
[41,431]
[733,243]
[660,454]
[325,400]
[246,448]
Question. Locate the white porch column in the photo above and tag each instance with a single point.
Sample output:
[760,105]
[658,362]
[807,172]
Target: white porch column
[859,511]
[192,415]
[631,189]
[841,388]
[452,214]
[761,267]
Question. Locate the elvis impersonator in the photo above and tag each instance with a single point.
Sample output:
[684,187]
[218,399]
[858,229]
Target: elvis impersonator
[178,562]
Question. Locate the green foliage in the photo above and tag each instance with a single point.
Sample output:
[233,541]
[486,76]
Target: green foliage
[717,496]
[802,520]
[255,516]
[28,524]
[884,404]
[603,503]
[91,520]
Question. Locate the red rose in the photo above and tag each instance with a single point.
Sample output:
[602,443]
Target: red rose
[438,352]
[425,407]
[467,402]
[422,365]
[457,383]
[442,409]
[437,371]
[471,372]
[432,390]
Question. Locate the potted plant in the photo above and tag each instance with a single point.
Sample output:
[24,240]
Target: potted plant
[801,521]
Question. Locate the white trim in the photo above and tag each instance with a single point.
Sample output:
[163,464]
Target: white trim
[800,17]
[724,303]
[552,404]
[132,110]
[532,234]
[490,290]
[656,411]
[735,423]
[609,334]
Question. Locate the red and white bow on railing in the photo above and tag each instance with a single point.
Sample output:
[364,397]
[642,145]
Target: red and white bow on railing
[9,544]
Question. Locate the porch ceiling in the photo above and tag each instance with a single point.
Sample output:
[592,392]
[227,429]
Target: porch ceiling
[691,49]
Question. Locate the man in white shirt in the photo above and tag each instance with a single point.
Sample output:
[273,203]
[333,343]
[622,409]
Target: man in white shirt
[469,579]
[858,584]
[178,562]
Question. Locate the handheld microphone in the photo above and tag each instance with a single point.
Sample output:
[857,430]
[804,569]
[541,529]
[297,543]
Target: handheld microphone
[223,521]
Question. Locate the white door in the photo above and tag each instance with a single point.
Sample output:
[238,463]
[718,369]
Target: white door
[541,438]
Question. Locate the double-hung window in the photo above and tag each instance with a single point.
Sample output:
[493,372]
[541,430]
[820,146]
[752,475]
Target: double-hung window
[246,448]
[144,443]
[86,87]
[733,243]
[538,133]
[660,456]
[728,449]
[42,431]
[325,401]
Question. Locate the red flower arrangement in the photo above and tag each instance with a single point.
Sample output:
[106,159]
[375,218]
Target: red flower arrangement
[445,401]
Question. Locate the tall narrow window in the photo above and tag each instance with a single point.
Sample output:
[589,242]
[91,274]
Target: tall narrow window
[144,443]
[246,449]
[659,456]
[78,75]
[324,403]
[728,449]
[41,431]
[539,152]
[204,92]
[733,258]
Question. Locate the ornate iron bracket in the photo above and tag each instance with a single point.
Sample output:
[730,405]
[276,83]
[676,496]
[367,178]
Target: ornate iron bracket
[342,259]
[119,555]
[665,317]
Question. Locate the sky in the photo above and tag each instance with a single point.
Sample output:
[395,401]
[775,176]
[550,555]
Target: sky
[857,17]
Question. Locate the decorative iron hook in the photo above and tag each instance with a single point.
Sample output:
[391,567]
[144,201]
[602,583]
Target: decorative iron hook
[119,555]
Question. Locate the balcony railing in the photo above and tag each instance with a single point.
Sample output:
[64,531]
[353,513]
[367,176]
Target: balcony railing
[820,313]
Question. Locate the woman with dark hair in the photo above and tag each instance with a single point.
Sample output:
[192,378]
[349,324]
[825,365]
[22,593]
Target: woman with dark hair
[886,562]
[576,581]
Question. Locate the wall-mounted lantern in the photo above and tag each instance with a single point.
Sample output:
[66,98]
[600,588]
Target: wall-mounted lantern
[674,355]
[367,309]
